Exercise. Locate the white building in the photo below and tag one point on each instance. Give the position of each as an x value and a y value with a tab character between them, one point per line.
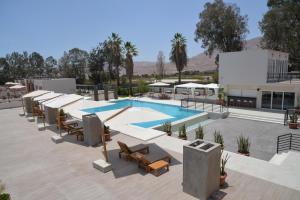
61	85
258	78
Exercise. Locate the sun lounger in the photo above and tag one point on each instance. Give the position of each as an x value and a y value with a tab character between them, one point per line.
153	161
127	151
70	126
78	132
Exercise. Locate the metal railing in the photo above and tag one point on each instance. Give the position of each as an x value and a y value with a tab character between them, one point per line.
278	77
208	105
288	142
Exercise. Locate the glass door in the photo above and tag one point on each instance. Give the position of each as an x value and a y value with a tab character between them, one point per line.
277	100
266	99
289	100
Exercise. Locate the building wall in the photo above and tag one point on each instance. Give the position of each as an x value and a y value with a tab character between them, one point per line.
63	85
244	67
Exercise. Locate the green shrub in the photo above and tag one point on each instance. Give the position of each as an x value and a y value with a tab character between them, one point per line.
243	144
294	118
123	91
4	196
182	132
223	163
218	138
61	112
199	133
142	86
167	127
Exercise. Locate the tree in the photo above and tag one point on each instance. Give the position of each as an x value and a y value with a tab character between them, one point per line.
108	55
18	65
221	27
74	64
160	64
178	53
96	61
4	71
281	29
115	42
50	67
36	67
130	51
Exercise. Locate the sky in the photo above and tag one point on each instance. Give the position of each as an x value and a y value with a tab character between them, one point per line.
51	27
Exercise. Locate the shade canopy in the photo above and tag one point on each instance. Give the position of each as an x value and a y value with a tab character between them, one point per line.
47	96
190	85
62	100
35	93
159	84
212	85
11	83
17	87
197	85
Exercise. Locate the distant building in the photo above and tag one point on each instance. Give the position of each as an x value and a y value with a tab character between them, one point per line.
61	85
259	78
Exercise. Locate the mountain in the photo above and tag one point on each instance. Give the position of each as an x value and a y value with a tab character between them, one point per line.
200	62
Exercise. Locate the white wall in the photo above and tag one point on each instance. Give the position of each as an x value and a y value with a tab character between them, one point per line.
63	85
244	67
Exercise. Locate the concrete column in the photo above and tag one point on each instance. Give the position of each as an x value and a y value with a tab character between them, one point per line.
106	93
28	104
50	115
116	92
96	97
91	129
201	168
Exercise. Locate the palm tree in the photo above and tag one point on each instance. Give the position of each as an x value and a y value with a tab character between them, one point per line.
107	51
130	51
178	53
115	43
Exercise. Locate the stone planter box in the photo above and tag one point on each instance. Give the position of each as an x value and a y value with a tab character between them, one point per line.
201	168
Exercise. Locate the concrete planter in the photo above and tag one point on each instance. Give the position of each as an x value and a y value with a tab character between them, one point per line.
243	153
201	168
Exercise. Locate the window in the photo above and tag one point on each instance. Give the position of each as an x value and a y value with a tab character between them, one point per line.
277	100
289	100
266	99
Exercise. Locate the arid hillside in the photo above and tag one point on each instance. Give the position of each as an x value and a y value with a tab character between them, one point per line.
200	62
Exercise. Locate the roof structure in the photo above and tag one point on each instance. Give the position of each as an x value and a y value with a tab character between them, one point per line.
62	100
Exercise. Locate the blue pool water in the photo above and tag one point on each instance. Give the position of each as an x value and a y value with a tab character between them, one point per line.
176	112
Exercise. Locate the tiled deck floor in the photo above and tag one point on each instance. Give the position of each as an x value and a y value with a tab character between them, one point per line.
33	167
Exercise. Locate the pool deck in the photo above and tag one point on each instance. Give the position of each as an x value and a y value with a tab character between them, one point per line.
34	168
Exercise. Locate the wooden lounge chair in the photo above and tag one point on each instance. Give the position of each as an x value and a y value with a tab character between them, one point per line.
71	126
78	132
152	162
127	151
38	112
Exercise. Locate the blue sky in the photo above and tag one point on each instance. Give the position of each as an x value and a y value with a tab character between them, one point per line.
51	27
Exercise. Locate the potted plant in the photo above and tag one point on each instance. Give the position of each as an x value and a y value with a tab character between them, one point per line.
167	127
62	114
106	133
293	121
223	173
219	139
3	196
199	133
182	132
243	145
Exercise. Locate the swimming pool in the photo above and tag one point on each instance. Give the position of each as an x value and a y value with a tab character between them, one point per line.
176	112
